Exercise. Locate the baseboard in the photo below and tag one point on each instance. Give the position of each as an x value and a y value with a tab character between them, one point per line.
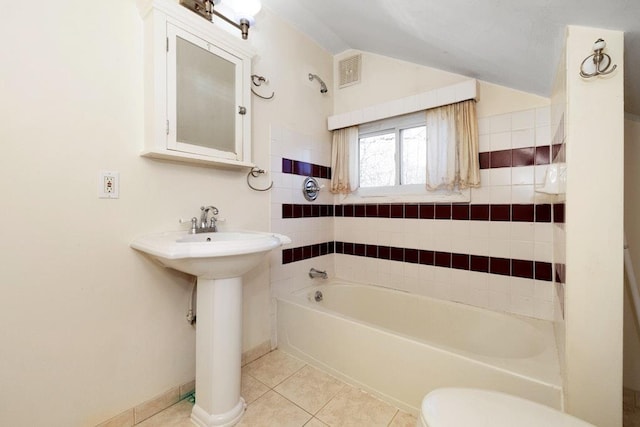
141	412
145	410
256	352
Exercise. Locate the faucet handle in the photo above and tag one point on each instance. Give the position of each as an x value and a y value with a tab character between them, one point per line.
194	224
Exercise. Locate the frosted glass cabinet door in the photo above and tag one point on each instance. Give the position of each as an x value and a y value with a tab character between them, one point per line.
203	97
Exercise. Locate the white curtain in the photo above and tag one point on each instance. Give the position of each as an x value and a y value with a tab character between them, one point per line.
452	151
452	147
344	160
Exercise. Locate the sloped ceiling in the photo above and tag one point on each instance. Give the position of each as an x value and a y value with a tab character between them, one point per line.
514	43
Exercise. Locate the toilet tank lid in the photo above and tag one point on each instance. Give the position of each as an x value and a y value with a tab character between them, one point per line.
448	407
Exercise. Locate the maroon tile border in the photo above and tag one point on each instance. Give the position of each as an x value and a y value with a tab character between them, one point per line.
500	213
558	213
480	212
523	156
523	213
411	210
543	271
307	211
543	213
460	211
309	251
501	159
442	259
527	156
501	266
426	257
522	268
485	160
443	211
427	211
479	263
460	261
542	155
297	167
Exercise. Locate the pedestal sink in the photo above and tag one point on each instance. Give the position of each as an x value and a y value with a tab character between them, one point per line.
218	260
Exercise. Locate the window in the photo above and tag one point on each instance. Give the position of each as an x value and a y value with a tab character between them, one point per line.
393	157
392	152
392	161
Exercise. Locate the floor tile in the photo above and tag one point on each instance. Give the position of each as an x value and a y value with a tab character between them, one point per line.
273	410
353	407
282	391
251	388
402	419
273	368
310	388
314	422
177	415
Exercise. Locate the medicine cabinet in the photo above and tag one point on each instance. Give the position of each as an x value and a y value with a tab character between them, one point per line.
197	88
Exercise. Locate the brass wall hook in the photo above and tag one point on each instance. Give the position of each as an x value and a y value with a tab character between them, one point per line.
599	64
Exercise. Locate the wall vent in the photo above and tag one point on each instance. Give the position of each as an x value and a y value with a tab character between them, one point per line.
349	69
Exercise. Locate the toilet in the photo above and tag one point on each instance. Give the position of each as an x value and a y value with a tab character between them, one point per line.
461	407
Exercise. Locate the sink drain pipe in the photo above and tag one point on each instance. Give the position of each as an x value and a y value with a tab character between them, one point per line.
191	316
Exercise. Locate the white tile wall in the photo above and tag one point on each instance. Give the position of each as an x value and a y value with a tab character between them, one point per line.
501	141
530	241
521	129
294	145
501	123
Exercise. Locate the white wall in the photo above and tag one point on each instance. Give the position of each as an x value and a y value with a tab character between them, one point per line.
386	79
291	125
594	228
90	327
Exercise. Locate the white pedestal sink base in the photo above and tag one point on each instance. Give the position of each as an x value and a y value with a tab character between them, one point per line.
213	257
218	353
201	418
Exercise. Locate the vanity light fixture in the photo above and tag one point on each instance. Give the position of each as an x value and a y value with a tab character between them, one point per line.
598	63
244	12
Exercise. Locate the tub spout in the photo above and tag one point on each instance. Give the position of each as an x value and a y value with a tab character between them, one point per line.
317	273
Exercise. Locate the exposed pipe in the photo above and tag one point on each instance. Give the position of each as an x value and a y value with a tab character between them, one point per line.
323	87
191	316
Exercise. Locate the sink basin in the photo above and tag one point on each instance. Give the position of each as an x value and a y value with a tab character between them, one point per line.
218	260
217	255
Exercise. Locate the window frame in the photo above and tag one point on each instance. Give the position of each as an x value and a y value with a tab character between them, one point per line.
399	192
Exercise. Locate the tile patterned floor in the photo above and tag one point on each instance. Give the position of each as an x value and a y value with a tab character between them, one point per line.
282	391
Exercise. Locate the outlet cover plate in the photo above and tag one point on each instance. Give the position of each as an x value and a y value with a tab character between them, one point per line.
108	185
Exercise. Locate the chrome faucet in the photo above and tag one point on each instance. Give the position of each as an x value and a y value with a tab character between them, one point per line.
317	273
207	225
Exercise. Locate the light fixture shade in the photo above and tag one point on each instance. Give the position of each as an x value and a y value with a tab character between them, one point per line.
244	9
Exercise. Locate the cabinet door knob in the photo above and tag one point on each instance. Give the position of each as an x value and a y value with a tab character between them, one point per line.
242	110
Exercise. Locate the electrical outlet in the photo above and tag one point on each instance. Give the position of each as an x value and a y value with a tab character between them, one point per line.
109	185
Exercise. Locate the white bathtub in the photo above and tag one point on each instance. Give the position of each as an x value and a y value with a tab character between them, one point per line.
400	346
